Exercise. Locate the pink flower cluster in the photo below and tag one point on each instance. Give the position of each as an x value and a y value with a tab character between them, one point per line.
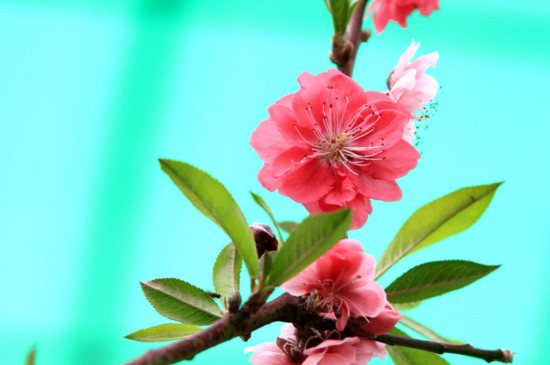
340	285
410	87
398	11
332	145
347	351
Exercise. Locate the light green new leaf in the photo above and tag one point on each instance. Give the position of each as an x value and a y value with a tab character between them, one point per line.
181	301
406	306
425	331
311	239
437	220
258	199
164	332
435	278
31	357
408	356
213	200
340	14
288	226
226	272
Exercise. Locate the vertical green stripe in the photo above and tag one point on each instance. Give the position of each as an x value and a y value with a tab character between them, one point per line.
122	182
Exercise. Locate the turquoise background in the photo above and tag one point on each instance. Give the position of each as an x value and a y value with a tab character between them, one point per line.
93	92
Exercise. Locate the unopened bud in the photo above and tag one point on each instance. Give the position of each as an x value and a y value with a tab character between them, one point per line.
365	35
264	237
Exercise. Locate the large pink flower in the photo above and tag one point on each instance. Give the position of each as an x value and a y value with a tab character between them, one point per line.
410	87
348	351
343	281
398	11
332	145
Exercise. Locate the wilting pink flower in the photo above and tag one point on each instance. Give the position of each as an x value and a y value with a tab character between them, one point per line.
384	322
398	11
332	145
348	351
410	87
343	281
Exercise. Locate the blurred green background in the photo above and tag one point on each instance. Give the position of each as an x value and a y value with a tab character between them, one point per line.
93	92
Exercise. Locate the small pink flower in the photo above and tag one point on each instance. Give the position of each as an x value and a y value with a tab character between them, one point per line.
343	281
398	11
410	87
349	351
332	145
384	322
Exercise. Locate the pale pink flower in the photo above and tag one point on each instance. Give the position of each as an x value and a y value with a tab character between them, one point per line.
398	11
384	322
410	87
343	281
332	145
348	351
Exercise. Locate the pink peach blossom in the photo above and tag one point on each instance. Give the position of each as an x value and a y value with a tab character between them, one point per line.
384	322
410	87
348	351
398	11
332	145
343	281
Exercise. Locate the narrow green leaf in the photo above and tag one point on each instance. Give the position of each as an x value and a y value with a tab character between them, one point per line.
181	301
164	332
210	197
311	239
408	356
31	357
288	226
266	265
339	10
425	331
258	199
437	220
226	272
406	306
435	278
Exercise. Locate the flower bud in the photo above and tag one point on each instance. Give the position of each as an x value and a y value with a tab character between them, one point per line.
264	237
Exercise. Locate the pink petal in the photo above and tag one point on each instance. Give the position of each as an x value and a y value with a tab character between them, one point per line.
307	182
399	160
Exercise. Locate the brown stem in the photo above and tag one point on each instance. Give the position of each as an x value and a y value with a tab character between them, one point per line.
288	308
344	51
284	308
502	355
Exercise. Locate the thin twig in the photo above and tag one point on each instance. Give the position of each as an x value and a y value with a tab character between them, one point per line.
344	52
502	355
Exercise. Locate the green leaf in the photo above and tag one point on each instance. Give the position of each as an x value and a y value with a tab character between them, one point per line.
164	332
258	199
408	356
437	220
311	239
210	197
31	357
288	226
266	265
435	278
181	301
425	331
406	306
226	272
